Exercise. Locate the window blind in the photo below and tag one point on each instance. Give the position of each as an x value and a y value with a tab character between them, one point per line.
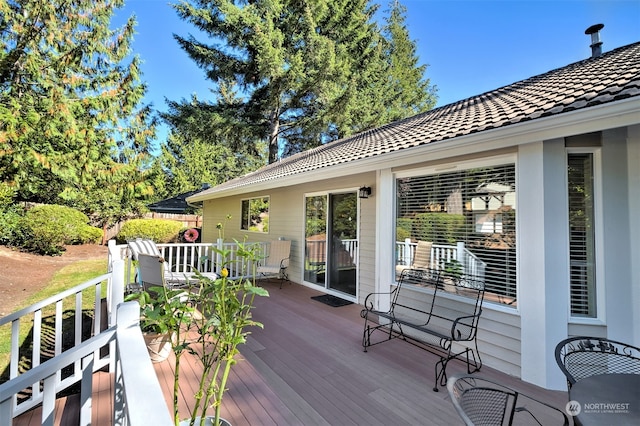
469	216
581	235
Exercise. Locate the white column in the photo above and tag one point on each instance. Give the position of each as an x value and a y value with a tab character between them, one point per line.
385	241
633	169
543	294
618	242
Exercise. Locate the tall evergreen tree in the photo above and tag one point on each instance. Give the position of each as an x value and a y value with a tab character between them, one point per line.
304	67
201	149
71	122
408	92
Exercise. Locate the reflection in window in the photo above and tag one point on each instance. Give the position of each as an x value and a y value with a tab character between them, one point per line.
581	235
469	217
255	214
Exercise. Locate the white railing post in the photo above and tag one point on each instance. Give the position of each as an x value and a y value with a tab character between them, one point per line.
140	400
461	255
218	256
406	252
115	293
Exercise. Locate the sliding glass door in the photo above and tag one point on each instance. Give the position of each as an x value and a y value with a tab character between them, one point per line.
331	241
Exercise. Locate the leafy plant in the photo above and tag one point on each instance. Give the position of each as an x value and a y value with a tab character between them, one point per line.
226	306
220	326
452	269
162	310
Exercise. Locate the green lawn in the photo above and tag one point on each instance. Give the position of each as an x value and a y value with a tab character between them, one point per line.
68	277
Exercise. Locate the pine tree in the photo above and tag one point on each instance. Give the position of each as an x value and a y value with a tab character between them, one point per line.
71	122
310	71
408	92
201	149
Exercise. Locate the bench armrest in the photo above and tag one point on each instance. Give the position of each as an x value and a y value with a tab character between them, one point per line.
370	299
464	328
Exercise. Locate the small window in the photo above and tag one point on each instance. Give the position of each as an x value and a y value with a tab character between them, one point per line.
255	214
582	252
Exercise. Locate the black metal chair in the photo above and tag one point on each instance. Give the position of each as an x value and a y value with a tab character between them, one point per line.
481	401
579	357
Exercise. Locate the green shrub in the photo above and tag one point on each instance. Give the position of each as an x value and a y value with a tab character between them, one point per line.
46	229
439	228
10	229
89	235
158	230
403	229
10	215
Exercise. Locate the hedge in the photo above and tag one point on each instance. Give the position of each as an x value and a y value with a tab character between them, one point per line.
158	230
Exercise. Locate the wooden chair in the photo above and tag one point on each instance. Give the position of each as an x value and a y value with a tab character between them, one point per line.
480	401
277	261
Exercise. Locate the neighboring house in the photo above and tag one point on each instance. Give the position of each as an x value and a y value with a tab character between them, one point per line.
537	183
175	205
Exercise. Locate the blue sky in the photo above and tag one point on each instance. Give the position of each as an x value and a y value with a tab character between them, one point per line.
470	46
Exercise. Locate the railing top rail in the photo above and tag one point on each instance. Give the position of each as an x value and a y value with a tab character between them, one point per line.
53	299
49	367
145	401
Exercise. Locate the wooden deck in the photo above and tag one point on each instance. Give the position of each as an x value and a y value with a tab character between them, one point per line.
307	367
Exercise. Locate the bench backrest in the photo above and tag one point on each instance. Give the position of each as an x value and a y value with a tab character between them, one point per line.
429	308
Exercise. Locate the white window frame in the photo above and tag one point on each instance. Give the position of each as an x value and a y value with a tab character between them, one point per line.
492	161
599	319
248	224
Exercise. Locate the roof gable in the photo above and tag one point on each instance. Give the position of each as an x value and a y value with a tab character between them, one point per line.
613	76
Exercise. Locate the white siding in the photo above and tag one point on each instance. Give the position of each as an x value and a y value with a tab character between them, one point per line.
286	219
518	341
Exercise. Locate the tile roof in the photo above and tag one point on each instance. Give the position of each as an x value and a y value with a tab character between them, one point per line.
613	76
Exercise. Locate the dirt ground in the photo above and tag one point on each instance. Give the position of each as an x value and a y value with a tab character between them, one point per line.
23	274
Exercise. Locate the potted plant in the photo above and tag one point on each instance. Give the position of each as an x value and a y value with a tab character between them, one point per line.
161	313
215	333
451	274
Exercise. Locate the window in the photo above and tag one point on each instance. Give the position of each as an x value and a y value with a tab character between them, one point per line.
582	256
469	217
255	214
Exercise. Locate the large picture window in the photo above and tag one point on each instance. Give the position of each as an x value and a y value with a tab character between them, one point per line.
255	214
462	221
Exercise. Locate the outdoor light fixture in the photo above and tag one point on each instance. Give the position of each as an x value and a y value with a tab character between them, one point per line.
364	192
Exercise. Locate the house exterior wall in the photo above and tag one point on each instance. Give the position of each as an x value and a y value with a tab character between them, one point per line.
519	341
286	220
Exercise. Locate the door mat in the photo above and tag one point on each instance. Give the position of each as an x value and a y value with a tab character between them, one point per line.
330	300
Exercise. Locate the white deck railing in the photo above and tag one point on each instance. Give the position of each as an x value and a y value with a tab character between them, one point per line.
200	257
120	346
441	254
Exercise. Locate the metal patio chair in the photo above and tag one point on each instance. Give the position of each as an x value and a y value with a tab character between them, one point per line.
277	261
580	357
480	401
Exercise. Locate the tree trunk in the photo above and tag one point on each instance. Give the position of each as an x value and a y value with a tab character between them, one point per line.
273	136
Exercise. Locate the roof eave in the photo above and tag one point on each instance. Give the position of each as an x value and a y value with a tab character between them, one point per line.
586	120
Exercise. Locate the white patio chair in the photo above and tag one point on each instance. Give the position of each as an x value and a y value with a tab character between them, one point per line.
277	262
143	248
421	258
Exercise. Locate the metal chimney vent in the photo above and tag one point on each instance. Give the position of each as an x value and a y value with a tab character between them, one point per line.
596	44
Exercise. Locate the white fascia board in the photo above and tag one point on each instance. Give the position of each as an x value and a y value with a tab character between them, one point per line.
586	120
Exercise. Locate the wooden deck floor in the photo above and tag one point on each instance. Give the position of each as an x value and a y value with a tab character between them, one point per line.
307	367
